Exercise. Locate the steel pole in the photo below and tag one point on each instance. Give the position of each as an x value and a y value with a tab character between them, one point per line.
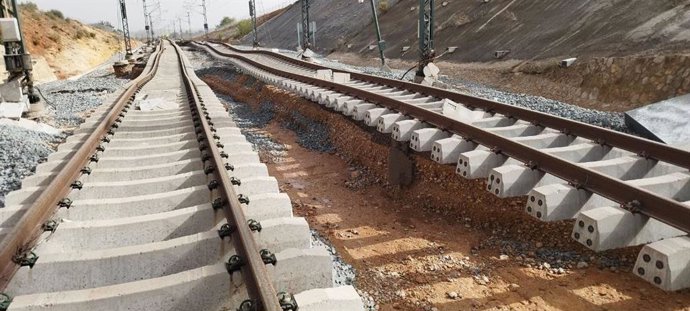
381	43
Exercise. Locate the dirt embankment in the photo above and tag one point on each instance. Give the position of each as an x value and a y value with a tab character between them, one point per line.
444	243
63	47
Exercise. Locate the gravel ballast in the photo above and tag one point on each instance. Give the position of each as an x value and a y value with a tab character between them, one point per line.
21	149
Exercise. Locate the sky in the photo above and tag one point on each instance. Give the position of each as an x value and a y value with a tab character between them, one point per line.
92	11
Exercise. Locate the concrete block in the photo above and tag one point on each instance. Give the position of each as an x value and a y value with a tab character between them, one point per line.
159	140
478	163
119	265
322	97
402	130
359	112
257	185
332	100
143	172
151	149
121	232
559	202
10	214
459	112
302	269
203	288
584	152
386	122
447	151
545	140
146	160
611	227
344	298
665	263
121	189
341	77
422	140
279	234
349	106
371	117
265	206
515	130
493	121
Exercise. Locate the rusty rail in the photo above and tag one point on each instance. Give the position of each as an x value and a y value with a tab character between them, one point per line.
669	211
257	278
21	239
643	147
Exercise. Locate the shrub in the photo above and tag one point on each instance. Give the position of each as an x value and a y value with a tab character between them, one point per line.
244	27
55	14
29	6
225	22
54	37
82	34
92	35
383	6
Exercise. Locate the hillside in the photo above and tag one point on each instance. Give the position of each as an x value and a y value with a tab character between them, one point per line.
63	47
629	53
534	29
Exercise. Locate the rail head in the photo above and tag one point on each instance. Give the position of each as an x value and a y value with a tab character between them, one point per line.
258	280
22	237
632	198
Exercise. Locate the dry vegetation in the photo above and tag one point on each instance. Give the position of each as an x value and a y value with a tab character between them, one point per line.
68	46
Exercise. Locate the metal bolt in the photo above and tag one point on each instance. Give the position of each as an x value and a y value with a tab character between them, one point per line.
234	263
243	199
226	230
254	225
267	257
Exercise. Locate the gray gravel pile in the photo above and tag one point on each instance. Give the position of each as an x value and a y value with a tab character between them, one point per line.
20	151
343	273
251	122
199	60
223	73
611	120
552	259
67	99
311	135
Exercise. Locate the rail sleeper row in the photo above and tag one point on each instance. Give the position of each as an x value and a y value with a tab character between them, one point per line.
600	223
142	228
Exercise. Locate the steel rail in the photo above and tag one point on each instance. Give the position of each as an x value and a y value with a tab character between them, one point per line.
643	147
28	229
257	278
632	198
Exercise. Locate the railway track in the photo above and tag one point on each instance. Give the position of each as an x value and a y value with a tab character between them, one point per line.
161	209
619	189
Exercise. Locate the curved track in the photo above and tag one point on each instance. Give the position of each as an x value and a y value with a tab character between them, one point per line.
621	190
159	203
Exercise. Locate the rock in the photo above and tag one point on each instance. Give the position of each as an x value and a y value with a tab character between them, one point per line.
582	265
513	287
401	293
452	295
503	257
481	280
546	265
539	245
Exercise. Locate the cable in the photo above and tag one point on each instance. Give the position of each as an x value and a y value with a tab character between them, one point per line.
419	63
44	97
